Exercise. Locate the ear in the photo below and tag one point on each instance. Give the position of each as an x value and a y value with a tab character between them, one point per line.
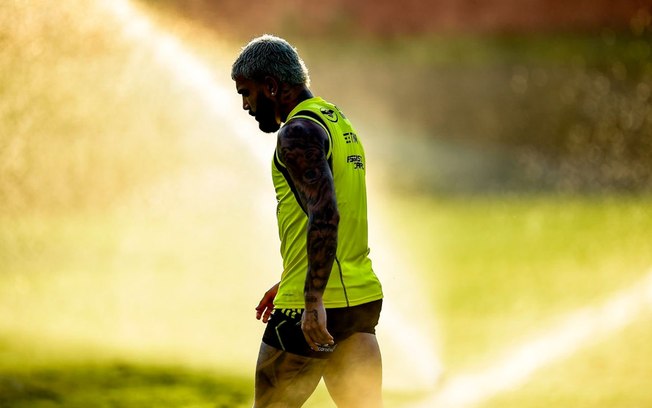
271	86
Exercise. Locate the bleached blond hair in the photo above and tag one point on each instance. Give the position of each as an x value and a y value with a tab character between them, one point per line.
269	55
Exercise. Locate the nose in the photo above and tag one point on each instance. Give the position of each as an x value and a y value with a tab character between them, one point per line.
245	104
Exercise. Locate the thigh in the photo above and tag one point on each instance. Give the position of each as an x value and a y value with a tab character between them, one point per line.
285	380
353	375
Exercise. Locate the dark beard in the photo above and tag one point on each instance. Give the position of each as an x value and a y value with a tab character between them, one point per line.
266	115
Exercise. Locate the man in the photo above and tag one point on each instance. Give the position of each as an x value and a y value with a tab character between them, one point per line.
328	301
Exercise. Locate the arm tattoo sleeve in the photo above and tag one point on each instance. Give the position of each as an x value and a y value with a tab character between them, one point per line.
302	147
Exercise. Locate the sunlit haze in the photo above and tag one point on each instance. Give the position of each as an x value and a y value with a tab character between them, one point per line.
137	211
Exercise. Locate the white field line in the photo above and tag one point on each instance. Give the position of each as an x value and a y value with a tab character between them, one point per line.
578	329
422	368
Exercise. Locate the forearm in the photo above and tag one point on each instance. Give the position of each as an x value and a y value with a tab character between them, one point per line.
322	247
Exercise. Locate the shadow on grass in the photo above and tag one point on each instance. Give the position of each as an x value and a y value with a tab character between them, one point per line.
120	385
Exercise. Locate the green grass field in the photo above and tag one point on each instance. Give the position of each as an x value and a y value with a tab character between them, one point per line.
97	382
500	267
137	235
495	270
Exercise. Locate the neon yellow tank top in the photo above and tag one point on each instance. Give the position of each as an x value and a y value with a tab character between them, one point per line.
352	280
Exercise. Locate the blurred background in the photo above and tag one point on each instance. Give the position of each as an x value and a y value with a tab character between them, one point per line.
509	150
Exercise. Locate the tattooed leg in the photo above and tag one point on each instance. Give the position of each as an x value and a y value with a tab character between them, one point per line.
285	380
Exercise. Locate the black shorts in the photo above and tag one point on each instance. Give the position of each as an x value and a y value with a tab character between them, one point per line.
284	327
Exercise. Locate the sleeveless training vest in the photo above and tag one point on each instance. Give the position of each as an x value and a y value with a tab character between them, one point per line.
352	281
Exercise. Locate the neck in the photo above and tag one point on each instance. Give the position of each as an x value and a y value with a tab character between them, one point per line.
291	97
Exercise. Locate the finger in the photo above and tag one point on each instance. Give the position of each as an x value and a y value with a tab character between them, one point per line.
325	337
261	310
267	314
316	337
317	344
264	312
320	335
311	343
306	330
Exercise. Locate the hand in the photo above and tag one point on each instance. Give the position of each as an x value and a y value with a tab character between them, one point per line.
313	325
266	304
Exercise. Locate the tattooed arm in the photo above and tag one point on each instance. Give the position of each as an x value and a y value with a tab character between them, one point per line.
302	147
